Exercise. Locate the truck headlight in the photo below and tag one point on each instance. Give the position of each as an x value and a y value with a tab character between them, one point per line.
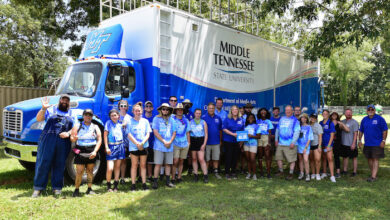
38	125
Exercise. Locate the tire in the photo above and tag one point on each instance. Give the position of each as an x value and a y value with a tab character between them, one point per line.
30	166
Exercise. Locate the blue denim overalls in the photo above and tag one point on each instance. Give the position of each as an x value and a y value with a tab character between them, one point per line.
52	152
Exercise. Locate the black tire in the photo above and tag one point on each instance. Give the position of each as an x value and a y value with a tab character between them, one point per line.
30	166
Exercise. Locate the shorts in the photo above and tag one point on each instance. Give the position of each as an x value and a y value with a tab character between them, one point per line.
300	150
139	152
117	152
213	152
345	151
252	149
263	141
373	152
163	157
85	150
196	143
150	158
314	147
285	152
180	152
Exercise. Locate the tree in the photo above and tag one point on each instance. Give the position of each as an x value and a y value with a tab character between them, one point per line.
27	52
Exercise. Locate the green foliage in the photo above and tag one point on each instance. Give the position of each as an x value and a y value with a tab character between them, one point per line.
26	51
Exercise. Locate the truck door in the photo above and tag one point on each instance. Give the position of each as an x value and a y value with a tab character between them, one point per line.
112	88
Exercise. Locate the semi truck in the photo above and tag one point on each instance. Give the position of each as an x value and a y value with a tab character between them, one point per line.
156	51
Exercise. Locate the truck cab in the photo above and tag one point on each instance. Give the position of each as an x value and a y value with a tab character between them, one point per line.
97	83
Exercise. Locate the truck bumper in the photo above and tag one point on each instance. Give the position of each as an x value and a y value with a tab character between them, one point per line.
20	151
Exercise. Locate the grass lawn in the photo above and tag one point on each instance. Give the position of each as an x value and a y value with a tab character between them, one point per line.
349	198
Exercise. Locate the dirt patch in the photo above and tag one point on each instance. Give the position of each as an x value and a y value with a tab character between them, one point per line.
14	181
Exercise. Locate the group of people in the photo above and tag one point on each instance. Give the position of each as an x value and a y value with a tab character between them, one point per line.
175	134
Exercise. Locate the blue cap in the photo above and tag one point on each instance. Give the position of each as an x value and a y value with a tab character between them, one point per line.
371	106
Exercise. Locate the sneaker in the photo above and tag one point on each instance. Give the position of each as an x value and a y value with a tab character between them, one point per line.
179	180
371	179
313	176
337	175
76	193
122	181
307	178
139	180
196	177
234	176
170	184
161	177
279	174
254	177
189	172
115	189
228	177
150	179
333	179
353	174
344	172
318	177
269	176
261	174
289	177
248	177
36	194
90	192
133	187
323	175
301	175
206	179
217	176
173	181
155	183
57	192
109	187
145	187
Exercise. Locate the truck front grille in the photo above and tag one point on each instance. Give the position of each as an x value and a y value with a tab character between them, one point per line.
12	121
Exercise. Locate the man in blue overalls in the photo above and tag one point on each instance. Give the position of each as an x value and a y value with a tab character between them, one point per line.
53	145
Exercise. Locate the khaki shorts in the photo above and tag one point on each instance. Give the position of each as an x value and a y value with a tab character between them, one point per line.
285	152
263	141
252	149
163	157
212	152
180	152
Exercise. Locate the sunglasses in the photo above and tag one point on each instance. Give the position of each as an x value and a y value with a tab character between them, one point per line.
148	106
123	106
172	100
164	109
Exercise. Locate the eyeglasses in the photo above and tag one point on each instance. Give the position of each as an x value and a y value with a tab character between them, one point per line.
173	100
123	106
148	106
164	109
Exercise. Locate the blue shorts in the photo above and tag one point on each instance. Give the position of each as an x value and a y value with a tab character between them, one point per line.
117	152
300	150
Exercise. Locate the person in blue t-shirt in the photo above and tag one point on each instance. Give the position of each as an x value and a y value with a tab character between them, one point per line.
124	118
164	130
231	125
113	142
214	128
138	132
275	121
181	143
219	109
305	137
199	136
374	128
187	107
286	137
250	146
264	143
327	144
148	115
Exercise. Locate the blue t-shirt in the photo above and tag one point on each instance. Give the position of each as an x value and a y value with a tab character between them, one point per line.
189	115
275	122
372	129
214	126
306	135
328	128
287	127
139	130
222	114
233	126
151	137
197	130
252	129
115	134
123	120
165	128
264	126
53	110
182	127
86	135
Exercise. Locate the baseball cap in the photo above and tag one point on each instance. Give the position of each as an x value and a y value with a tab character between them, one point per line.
371	106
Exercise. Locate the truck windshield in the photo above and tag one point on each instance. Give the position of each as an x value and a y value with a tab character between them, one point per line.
80	79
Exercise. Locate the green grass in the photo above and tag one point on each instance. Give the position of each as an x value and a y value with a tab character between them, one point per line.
349	198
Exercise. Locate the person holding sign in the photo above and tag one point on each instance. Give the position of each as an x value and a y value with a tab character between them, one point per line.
264	143
231	125
286	137
250	146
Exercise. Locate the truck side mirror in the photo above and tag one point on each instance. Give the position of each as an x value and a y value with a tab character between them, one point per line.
125	92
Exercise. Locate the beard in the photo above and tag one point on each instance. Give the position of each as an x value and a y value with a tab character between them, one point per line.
63	107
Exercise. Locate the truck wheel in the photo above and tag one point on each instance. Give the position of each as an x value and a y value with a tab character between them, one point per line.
30	166
99	169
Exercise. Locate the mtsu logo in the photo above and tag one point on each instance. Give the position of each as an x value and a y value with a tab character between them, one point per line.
96	41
